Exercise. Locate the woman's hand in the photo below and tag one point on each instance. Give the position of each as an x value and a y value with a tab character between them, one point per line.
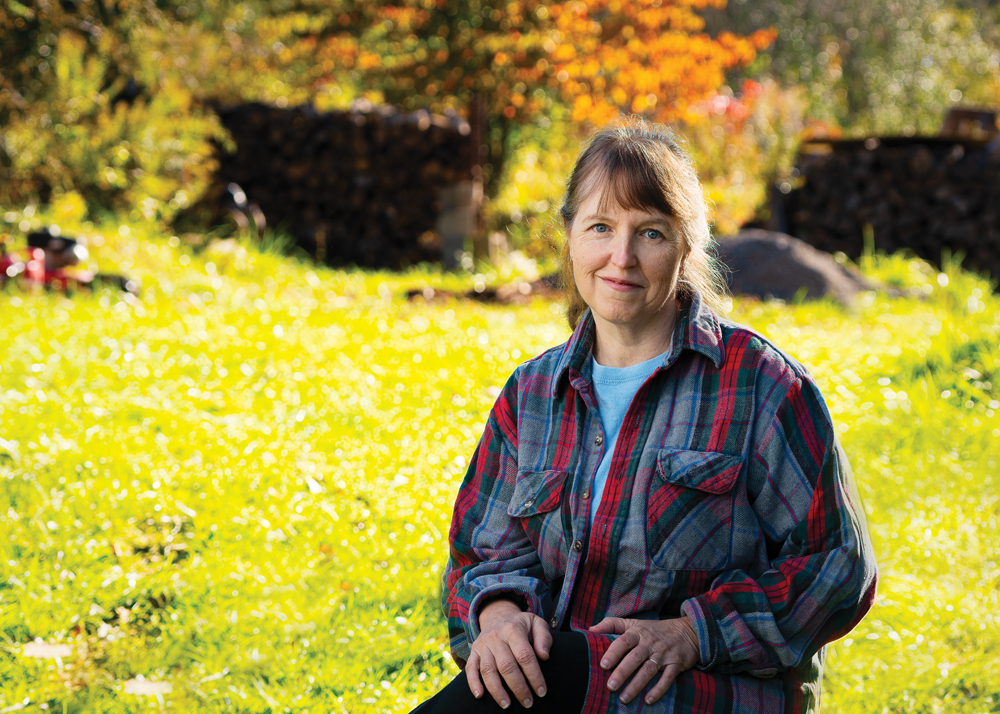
509	645
644	647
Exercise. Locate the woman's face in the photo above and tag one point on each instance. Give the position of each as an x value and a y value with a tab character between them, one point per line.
626	263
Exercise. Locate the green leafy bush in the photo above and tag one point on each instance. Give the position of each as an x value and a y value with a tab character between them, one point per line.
888	68
150	156
742	143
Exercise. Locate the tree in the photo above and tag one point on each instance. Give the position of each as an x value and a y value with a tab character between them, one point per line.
108	99
513	59
877	67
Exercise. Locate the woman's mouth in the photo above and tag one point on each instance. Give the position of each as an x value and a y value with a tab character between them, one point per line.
618	283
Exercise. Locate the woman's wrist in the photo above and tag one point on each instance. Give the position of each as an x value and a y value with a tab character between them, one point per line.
497	608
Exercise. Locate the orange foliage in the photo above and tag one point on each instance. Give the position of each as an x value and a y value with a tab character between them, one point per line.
642	56
601	57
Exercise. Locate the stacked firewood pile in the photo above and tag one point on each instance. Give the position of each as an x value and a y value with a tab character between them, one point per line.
361	186
927	195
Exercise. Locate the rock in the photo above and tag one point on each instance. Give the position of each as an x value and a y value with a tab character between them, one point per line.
766	264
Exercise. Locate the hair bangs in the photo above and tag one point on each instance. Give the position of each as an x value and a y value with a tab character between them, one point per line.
630	179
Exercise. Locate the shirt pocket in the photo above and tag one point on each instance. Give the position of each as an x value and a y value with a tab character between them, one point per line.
689	509
536	502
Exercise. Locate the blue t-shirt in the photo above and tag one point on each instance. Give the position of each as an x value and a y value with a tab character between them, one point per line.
615	387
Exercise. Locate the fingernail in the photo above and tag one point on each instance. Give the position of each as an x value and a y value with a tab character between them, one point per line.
649	700
612	685
604	664
541	691
504	704
624	699
527	703
476	693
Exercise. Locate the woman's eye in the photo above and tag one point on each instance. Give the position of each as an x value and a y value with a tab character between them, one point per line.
599	228
653	234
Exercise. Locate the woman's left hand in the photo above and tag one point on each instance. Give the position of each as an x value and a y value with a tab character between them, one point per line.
644	648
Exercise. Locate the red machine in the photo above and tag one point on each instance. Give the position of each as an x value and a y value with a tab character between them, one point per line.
50	262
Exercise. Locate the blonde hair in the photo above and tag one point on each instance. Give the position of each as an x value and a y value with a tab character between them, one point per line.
639	165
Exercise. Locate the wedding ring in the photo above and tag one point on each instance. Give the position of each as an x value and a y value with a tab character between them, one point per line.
657	664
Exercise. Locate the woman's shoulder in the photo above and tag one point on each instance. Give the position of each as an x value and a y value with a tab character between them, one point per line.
533	381
745	347
529	386
547	365
781	384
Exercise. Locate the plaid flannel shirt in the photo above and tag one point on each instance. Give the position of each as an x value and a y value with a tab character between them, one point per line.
729	500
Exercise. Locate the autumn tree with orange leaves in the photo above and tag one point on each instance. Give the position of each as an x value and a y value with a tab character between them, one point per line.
115	73
599	57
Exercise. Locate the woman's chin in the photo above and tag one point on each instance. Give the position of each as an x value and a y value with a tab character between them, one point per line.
627	315
620	318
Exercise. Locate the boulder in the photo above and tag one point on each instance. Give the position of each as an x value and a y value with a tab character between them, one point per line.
766	264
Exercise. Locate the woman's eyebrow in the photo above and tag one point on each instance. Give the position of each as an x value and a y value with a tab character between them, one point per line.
649	218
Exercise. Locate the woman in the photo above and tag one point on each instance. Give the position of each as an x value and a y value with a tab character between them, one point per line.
658	515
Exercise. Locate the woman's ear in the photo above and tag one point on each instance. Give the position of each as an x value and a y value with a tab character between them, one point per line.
685	252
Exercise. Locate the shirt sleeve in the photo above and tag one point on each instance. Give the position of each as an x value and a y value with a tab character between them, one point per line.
489	552
822	574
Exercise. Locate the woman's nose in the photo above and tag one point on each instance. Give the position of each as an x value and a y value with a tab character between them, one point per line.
623	249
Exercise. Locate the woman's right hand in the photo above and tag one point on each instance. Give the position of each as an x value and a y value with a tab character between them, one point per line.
509	645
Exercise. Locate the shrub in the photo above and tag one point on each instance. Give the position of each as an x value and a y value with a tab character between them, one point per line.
147	156
741	144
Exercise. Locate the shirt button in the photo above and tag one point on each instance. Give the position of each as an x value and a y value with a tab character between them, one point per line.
598	440
577	546
586	494
554	622
527	504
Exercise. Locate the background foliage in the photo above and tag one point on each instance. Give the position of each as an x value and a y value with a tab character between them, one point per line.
112	101
887	68
507	63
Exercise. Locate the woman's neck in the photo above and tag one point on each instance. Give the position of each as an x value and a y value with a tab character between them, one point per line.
624	345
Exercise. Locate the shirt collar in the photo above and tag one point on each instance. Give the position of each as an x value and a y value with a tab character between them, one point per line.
697	329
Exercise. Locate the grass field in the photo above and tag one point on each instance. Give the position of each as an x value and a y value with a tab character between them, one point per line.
233	494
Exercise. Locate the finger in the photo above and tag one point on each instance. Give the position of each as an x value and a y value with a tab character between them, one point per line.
491	678
636	659
510	669
611	626
541	638
472	674
643	676
619	648
528	662
670	674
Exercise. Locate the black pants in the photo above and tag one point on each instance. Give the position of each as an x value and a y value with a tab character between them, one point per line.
566	672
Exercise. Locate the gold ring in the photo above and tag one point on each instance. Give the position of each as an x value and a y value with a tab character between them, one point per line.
657	664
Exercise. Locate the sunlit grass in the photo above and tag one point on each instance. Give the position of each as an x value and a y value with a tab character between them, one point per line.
240	485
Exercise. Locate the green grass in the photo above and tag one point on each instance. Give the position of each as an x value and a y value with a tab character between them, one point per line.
241	484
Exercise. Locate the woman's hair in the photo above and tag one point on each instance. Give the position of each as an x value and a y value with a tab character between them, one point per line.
639	165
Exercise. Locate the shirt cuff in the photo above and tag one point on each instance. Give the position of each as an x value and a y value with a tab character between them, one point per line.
714	651
707	631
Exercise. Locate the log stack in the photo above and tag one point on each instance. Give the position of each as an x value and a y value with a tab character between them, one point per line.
357	187
927	195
